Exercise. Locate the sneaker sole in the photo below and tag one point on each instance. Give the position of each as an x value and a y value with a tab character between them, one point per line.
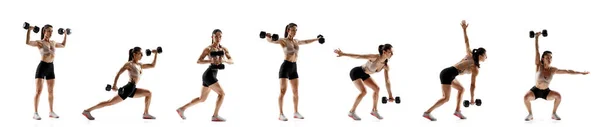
429	118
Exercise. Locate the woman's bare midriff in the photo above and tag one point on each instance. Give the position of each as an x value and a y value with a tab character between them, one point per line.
48	58
291	58
134	80
542	86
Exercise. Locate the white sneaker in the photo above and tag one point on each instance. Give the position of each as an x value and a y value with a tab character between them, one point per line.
353	116
429	116
459	115
376	114
53	115
555	117
218	119
298	116
36	116
283	118
180	112
148	116
88	115
529	117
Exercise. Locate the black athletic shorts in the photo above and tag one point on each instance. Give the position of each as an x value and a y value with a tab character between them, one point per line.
358	73
540	93
45	71
448	75
209	77
288	70
127	90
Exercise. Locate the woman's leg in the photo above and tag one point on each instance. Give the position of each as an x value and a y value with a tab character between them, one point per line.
529	96
294	84
283	89
139	92
38	90
203	95
456	85
371	84
553	95
39	82
361	88
445	98
50	84
217	88
116	99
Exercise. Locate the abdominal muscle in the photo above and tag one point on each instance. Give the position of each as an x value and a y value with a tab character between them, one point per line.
291	57
48	58
541	85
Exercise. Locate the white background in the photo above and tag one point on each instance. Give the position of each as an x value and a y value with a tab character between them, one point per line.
426	36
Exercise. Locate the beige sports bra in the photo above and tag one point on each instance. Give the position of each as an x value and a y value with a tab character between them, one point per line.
371	66
135	70
290	48
47	48
543	79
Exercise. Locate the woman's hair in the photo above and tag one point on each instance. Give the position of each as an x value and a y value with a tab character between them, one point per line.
132	51
544	55
215	32
288	27
44	28
383	48
476	53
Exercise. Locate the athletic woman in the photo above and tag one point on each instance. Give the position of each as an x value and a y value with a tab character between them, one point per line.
361	77
45	69
288	70
469	64
130	90
216	57
544	74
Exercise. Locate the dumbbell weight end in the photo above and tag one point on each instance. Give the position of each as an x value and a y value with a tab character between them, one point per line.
263	34
108	87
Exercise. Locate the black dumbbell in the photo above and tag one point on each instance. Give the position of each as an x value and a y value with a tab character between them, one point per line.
26	26
217	66
544	33
384	100
466	103
108	87
321	39
274	37
149	52
62	31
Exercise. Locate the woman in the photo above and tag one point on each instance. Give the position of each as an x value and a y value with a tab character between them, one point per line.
469	64
544	74
216	54
361	76
135	72
288	70
45	70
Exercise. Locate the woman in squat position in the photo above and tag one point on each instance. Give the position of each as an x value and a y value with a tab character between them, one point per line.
361	76
544	74
469	64
216	54
135	72
45	69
